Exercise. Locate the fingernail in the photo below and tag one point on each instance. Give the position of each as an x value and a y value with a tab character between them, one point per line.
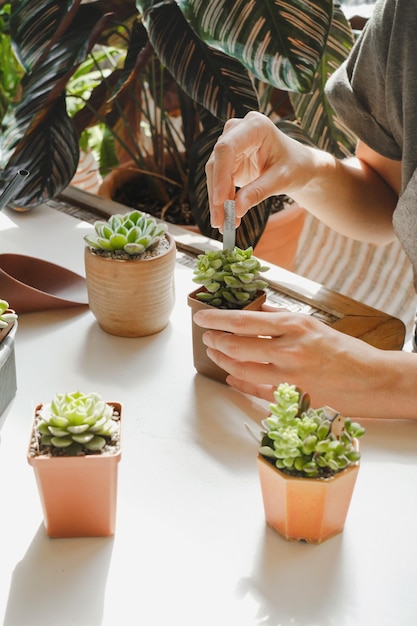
197	316
215	219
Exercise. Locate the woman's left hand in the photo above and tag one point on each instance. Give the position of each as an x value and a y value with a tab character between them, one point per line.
262	349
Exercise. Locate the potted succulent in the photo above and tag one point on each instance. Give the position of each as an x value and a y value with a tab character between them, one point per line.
229	279
8	327
8	319
308	463
301	45
74	450
129	266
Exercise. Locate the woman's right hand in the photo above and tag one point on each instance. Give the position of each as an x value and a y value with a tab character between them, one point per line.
255	156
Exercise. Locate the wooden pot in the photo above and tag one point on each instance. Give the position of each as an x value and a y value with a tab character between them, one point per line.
202	363
78	493
308	509
135	297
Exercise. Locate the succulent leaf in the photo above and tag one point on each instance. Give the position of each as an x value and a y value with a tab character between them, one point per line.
232	276
298	439
75	421
6	316
133	233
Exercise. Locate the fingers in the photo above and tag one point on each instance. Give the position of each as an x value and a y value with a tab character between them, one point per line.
253	323
255	349
220	171
265	392
236	162
248	372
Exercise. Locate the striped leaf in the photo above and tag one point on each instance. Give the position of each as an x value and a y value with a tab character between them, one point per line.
48	175
51	39
313	111
279	41
213	79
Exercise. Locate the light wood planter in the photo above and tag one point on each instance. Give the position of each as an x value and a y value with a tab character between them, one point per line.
78	493
202	363
308	509
131	298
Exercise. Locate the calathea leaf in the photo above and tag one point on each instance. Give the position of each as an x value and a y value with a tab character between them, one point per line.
213	79
37	133
279	42
313	111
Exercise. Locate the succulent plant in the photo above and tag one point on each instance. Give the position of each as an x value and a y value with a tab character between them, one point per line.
133	233
307	442
73	422
6	316
231	277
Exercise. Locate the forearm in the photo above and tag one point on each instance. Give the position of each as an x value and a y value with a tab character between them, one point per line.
349	196
389	386
356	197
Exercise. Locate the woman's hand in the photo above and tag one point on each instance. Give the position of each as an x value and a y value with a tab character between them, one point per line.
355	197
254	155
262	349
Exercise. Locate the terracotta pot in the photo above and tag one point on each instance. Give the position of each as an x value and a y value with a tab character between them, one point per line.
132	298
78	493
279	241
202	363
116	178
8	385
308	509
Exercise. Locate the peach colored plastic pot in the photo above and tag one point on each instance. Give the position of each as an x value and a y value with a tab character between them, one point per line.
309	509
78	493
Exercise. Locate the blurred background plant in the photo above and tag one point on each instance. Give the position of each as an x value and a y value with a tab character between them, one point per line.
11	71
170	74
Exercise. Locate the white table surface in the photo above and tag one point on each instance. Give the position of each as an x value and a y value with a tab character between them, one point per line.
191	546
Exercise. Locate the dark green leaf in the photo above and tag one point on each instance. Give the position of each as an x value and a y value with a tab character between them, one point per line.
210	77
281	43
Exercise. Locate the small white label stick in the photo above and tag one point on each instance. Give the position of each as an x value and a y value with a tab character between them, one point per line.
229	227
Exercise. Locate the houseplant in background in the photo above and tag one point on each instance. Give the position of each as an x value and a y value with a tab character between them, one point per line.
301	42
10	70
129	267
230	279
74	450
8	327
308	463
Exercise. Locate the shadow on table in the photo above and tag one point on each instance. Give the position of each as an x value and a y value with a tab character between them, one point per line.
317	593
220	415
60	581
